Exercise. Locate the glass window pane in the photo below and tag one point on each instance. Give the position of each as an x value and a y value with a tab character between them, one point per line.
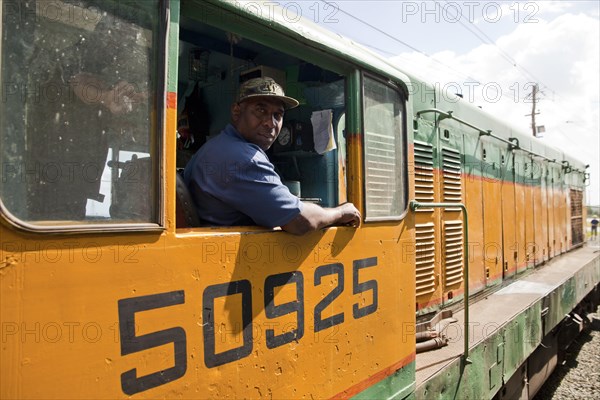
78	114
383	145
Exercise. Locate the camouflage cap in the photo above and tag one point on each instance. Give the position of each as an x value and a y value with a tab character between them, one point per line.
265	87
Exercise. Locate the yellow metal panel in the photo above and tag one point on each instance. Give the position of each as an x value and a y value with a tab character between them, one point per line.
538	220
509	242
474	203
493	229
551	217
529	245
66	301
522	214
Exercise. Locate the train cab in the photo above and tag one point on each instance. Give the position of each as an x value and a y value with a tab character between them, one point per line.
104	102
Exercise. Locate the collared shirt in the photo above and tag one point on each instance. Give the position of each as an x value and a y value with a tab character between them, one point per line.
232	182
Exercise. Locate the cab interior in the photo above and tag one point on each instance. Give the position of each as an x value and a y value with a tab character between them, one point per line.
213	63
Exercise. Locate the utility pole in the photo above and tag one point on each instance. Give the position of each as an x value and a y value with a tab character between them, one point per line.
534	92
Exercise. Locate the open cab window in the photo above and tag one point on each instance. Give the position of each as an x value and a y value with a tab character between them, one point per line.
310	152
79	118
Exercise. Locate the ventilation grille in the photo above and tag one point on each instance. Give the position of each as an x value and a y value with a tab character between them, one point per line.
424	174
453	252
425	259
576	216
452	176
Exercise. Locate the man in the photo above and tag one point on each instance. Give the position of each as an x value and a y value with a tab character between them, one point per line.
232	181
594	227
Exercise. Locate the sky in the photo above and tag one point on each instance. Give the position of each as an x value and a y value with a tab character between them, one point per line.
495	51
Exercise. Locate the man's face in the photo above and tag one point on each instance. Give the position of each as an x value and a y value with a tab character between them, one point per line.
258	120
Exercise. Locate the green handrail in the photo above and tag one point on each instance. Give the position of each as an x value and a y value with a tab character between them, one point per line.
512	142
414	205
482	132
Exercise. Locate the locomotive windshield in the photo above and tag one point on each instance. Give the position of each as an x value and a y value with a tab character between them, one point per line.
79	95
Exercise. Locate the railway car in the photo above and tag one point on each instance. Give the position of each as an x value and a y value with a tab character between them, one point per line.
110	288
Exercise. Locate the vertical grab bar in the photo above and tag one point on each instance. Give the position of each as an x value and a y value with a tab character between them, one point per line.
414	205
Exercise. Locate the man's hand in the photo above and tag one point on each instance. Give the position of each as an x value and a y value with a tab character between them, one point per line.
349	215
312	218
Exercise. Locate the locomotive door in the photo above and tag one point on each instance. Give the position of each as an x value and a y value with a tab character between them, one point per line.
492	211
473	193
451	226
543	241
509	222
551	209
560	216
523	211
539	204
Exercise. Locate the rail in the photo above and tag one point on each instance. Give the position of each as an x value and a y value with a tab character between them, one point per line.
414	205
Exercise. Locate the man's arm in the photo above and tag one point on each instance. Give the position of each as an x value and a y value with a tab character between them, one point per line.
312	218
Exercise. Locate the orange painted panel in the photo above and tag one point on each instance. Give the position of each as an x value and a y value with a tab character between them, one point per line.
509	242
492	214
474	203
537	225
522	213
543	223
551	217
560	222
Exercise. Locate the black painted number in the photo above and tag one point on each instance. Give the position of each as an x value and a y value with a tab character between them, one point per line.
273	310
324	270
243	287
130	343
361	287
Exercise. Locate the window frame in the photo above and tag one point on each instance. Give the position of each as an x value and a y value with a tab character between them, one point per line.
253	28
157	146
404	142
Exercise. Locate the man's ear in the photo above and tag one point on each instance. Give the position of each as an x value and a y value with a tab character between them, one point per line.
236	110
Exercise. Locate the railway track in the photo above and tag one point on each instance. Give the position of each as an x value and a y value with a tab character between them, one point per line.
578	375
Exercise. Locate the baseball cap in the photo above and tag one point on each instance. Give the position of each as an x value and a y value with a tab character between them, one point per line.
265	87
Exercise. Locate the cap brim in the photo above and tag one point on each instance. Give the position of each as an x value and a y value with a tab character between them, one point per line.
288	102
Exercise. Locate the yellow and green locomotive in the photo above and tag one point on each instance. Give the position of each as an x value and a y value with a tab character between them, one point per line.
109	288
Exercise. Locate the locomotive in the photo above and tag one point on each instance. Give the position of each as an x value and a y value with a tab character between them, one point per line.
472	234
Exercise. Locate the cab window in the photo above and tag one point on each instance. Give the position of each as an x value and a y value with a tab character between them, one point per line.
384	151
78	117
309	154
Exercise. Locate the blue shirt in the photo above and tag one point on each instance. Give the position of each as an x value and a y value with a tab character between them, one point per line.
232	182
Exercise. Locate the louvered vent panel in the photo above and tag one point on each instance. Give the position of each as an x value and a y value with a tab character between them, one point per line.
453	252
380	169
452	176
424	174
576	216
425	258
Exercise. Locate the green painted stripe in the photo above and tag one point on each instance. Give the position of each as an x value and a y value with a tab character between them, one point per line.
396	386
173	46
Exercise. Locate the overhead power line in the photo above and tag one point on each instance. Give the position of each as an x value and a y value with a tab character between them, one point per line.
485	39
400	41
438	65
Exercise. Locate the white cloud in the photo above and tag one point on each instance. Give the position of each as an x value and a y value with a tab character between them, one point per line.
561	54
553	7
518	11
